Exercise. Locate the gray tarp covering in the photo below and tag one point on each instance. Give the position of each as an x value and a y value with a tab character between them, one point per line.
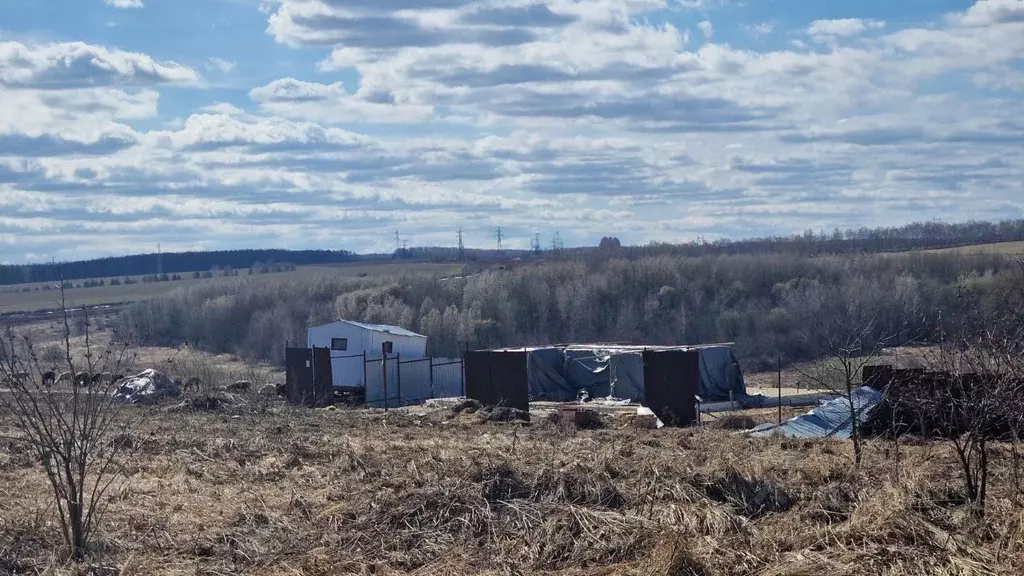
561	373
833	419
720	374
545	372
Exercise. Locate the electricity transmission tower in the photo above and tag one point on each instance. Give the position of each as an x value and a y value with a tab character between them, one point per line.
535	243
462	247
556	241
398	241
499	234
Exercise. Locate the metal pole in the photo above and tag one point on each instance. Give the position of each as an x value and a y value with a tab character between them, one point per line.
384	373
398	376
364	374
431	360
780	388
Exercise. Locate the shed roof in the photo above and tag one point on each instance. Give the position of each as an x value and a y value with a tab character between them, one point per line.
396	330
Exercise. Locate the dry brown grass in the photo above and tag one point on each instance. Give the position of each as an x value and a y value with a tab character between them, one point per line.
288	491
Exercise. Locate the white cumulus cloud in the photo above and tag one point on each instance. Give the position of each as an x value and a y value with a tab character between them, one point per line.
124	3
825	29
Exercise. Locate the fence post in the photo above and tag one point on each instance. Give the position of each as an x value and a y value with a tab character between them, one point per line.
398	376
431	360
779	382
364	376
384	374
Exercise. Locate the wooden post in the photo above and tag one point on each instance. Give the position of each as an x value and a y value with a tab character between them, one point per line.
780	388
398	376
431	360
384	373
364	374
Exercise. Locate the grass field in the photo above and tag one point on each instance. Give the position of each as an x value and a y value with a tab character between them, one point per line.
1004	248
275	490
45	300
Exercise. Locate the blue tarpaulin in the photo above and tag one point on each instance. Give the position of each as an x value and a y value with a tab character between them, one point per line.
833	419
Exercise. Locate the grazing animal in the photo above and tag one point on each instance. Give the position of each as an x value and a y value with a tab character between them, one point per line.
65	378
82	379
96	379
282	390
49	378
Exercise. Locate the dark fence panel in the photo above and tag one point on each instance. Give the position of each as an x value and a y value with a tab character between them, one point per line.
671	384
497	378
323	383
299	378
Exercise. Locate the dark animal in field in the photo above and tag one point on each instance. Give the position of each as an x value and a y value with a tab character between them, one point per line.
240	386
193	383
117	377
65	378
49	378
102	378
83	379
282	390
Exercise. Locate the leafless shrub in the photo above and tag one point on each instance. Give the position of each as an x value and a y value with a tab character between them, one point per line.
71	432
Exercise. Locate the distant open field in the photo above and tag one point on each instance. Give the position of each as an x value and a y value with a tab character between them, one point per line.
1004	248
46	300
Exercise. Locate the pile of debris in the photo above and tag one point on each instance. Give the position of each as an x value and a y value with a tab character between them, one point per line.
146	387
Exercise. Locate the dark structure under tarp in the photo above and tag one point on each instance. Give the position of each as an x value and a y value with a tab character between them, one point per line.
665	379
561	373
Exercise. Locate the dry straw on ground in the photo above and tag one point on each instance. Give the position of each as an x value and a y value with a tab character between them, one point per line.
429	492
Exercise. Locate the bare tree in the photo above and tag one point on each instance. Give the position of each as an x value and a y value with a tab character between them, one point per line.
850	344
78	433
976	394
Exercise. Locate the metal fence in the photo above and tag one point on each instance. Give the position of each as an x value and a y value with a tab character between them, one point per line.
398	382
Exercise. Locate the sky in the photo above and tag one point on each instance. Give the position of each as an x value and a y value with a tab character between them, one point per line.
218	124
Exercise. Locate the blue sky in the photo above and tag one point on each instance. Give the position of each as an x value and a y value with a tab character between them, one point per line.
206	124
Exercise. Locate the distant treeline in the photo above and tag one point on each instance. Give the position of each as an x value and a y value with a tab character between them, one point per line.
768	304
917	236
171	263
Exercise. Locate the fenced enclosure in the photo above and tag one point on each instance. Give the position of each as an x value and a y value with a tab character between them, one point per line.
402	382
409	382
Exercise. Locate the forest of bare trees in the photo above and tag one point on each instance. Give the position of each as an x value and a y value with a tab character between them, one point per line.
762	302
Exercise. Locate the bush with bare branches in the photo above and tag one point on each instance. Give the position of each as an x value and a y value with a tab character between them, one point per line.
78	433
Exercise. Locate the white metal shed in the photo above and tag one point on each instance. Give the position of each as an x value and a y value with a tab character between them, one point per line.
349	341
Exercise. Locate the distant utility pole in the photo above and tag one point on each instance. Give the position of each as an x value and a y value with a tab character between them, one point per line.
398	241
535	243
499	234
462	247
